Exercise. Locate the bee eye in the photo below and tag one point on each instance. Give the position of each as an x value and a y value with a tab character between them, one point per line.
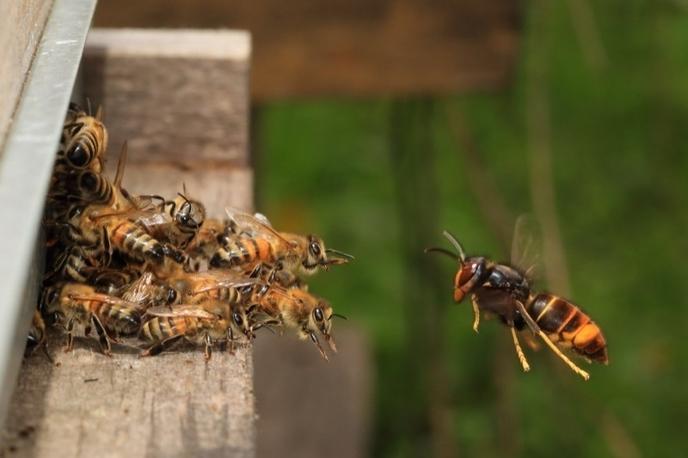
52	295
171	296
318	314
74	211
77	156
237	319
315	248
55	317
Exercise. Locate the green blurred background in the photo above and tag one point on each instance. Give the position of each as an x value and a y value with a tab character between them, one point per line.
619	172
589	136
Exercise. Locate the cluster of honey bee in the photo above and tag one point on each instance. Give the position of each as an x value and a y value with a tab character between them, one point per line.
506	291
156	271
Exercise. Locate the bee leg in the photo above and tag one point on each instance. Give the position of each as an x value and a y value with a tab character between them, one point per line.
102	336
476	313
317	344
519	351
536	329
161	346
208	348
70	337
230	340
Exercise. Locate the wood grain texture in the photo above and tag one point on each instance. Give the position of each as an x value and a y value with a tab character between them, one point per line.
21	28
217	188
335	394
173	95
174	404
87	404
306	48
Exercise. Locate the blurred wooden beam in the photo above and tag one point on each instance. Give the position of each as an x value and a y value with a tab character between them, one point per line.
310	48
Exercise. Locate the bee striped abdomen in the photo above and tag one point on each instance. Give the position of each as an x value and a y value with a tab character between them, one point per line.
162	327
95	187
133	240
120	318
568	325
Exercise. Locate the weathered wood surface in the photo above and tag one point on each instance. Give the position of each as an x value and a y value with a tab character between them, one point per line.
200	76
311	408
21	28
356	47
173	405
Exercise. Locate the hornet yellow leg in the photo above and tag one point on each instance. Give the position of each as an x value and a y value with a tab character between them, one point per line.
519	351
476	313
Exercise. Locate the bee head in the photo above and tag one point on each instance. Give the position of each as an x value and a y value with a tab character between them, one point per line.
320	322
317	256
49	304
241	322
190	213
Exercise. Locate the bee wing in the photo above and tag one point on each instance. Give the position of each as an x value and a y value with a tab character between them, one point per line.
137	291
152	219
232	279
100	297
263	219
253	225
526	247
191	311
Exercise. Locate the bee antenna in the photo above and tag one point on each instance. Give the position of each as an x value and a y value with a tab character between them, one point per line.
99	113
338	316
340	254
88	106
454	241
440	250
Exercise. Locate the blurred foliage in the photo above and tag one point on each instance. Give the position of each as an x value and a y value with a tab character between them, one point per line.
620	168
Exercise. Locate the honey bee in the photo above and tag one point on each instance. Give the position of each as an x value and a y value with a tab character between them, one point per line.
505	291
76	304
202	324
253	240
84	140
296	308
176	221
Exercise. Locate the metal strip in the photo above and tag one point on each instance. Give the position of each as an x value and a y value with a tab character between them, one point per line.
25	173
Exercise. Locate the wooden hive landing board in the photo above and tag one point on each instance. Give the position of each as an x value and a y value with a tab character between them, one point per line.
87	404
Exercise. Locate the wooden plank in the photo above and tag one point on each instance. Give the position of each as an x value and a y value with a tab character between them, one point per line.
173	405
21	28
133	73
335	394
306	48
218	188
